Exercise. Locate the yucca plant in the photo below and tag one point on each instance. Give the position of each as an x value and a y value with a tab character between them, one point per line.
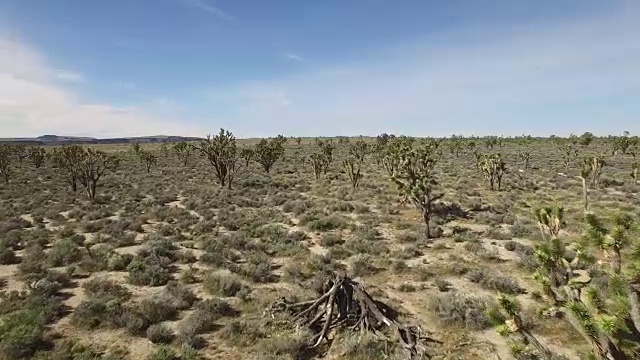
416	179
352	166
493	169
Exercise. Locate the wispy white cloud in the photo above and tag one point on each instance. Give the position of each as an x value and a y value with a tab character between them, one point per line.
33	102
69	76
580	74
203	5
292	56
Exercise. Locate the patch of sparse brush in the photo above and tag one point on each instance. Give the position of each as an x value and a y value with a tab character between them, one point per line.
202	320
331	239
243	333
223	283
365	346
361	265
492	281
159	334
464	310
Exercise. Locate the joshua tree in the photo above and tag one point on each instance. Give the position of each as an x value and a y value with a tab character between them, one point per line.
326	149
5	162
136	148
510	323
586	139
415	178
68	159
593	166
622	144
493	168
359	150
247	154
149	159
317	161
183	151
550	220
20	152
353	168
267	152
164	148
37	156
585	174
524	156
222	152
569	152
94	164
491	141
607	316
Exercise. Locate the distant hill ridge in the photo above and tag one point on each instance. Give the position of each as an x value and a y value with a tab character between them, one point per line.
57	139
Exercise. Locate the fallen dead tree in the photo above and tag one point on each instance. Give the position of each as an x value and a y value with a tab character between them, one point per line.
346	305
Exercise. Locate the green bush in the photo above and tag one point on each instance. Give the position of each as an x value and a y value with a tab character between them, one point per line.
22	334
241	333
163	352
159	334
222	283
104	289
151	271
454	307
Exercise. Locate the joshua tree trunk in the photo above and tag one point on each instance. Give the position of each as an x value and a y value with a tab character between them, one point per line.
585	194
634	306
426	217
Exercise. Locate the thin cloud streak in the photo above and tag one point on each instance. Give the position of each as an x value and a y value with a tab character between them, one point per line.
202	5
292	56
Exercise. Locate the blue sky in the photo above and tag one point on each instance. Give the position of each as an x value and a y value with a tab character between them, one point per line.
310	68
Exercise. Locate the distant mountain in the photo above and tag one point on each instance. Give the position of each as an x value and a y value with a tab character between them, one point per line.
57	139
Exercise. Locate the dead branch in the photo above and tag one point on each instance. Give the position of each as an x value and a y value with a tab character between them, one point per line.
347	305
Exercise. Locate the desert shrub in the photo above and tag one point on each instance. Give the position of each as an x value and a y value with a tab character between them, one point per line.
296	236
223	283
289	345
463	310
366	240
22	334
94	313
510	245
406	287
151	271
118	262
365	346
8	256
442	285
524	230
64	252
203	320
497	234
320	264
361	265
327	223
163	352
492	281
408	237
241	333
159	334
178	295
105	289
138	318
296	207
71	349
331	239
